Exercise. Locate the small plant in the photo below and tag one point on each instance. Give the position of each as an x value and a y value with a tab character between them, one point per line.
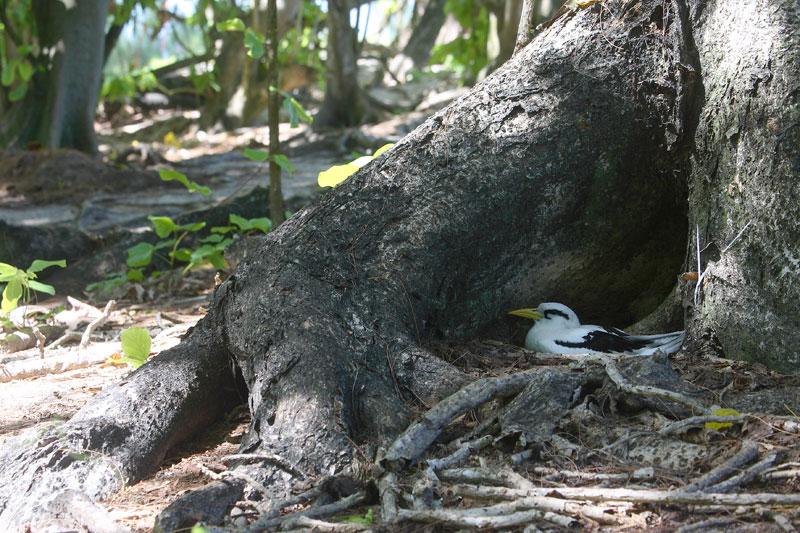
135	346
19	283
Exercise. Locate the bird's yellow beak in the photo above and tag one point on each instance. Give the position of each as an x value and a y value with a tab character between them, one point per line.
533	314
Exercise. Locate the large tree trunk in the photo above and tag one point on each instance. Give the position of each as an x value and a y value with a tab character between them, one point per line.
58	109
561	177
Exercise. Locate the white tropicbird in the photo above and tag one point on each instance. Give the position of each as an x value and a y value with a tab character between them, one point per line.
558	330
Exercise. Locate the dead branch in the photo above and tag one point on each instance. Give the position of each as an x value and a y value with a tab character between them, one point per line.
88	514
322	510
388	489
304	523
610	513
680	425
496	516
551	474
466	449
746	476
654	496
622	384
504	477
95	323
416	439
746	455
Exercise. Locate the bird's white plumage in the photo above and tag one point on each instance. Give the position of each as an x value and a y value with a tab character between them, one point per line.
558	330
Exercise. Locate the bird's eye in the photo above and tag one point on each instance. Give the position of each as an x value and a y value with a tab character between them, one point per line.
555	312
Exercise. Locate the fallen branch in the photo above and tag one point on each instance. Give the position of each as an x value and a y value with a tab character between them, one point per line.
304	523
95	323
746	455
416	439
551	474
483	476
495	516
461	453
746	476
604	514
345	503
653	496
622	384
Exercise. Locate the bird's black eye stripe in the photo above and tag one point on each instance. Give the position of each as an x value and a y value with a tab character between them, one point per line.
550	312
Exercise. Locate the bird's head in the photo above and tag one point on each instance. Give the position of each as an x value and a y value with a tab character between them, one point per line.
559	313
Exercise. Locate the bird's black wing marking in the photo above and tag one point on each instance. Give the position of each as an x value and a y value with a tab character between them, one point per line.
606	340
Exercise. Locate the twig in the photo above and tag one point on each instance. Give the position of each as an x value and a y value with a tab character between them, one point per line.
700	274
552	473
304	523
241	476
606	513
495	516
706	525
746	455
416	439
746	476
656	496
322	510
461	453
645	390
388	489
680	425
272	459
95	323
40	340
484	476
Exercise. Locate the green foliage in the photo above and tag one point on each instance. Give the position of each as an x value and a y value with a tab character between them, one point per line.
141	257
19	283
259	156
191	186
18	57
466	54
135	346
338	173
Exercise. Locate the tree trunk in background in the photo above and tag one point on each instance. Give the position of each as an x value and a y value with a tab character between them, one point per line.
563	176
744	170
423	37
276	209
344	103
58	109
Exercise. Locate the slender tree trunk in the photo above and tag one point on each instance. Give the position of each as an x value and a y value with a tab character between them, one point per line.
344	103
276	210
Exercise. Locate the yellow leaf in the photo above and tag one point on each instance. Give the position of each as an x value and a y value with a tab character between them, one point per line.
336	174
171	140
722	412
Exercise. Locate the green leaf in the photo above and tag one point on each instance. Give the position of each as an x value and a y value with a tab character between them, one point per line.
234	24
222	229
7	270
40	264
182	254
25	70
11	295
336	174
193	226
7	78
135	346
212	239
167	174
18	92
41	287
140	255
134	274
255	155
164	226
254	42
283	162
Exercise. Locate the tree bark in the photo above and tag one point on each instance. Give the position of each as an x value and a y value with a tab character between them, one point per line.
58	108
563	176
344	103
744	170
423	37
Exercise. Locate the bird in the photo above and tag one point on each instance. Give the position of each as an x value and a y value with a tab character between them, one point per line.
558	330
